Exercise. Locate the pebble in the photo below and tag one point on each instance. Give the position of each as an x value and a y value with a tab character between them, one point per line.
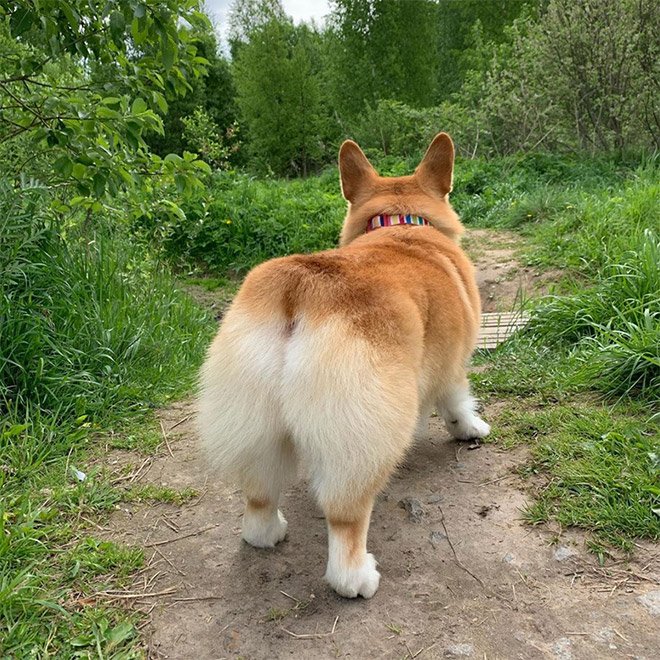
562	649
651	601
414	507
456	650
436	538
563	552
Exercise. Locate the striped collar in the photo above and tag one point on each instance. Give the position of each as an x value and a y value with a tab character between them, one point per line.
384	220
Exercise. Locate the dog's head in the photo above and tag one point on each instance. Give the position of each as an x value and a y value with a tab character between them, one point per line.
424	193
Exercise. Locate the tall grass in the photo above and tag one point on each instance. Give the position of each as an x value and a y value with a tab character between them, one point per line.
90	330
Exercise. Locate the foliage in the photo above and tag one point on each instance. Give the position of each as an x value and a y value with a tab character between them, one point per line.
203	136
243	221
374	54
278	93
212	93
583	76
87	322
457	38
86	82
595	467
90	330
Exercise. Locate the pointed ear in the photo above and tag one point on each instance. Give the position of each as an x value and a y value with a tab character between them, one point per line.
437	167
355	171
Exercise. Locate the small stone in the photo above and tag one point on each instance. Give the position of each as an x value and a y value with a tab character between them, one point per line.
563	552
508	558
562	649
435	499
651	601
457	650
436	538
414	507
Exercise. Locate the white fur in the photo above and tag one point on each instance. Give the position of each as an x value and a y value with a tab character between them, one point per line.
458	409
264	529
350	581
273	396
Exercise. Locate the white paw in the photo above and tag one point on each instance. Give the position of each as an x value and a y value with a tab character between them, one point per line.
353	582
264	533
468	428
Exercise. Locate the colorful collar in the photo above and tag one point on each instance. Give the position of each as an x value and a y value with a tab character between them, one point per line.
384	220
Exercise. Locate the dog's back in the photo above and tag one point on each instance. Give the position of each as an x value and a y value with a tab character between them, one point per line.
327	361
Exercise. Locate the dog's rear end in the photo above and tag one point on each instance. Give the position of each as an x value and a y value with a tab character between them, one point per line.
327	361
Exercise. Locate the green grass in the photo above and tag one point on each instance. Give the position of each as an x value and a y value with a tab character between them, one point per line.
154	493
93	335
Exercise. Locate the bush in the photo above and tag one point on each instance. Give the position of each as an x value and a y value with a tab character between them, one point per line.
242	222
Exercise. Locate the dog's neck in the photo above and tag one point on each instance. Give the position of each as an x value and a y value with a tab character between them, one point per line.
386	220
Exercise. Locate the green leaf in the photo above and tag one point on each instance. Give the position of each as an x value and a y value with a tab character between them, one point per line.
139	106
140	11
98	182
79	170
63	166
14	430
111	100
168	52
120	633
181	182
71	16
21	21
117	27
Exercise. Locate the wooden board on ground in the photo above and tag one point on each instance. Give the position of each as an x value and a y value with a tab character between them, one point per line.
498	326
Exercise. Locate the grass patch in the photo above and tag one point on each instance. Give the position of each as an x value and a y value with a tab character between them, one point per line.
600	470
154	493
92	334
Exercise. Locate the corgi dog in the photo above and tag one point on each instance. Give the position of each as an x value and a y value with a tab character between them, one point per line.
329	362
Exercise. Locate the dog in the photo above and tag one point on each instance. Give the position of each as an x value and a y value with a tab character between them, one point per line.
331	361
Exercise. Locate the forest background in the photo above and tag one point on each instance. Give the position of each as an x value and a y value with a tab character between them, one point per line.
137	157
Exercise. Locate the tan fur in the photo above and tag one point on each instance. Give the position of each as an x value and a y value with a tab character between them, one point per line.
329	359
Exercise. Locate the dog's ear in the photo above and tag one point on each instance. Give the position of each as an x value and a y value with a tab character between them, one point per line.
437	167
355	171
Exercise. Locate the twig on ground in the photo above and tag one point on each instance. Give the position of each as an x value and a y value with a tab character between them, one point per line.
181	421
178	570
180	538
313	635
451	545
127	595
192	598
167	442
494	481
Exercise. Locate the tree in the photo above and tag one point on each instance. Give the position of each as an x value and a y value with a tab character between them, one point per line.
375	53
212	93
276	72
85	81
582	77
455	20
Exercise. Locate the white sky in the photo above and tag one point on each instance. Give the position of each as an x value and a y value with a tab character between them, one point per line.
299	10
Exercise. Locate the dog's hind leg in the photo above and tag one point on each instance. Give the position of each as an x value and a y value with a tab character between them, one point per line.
241	424
351	407
458	409
261	482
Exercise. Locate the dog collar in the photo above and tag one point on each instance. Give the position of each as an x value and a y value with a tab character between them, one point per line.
384	220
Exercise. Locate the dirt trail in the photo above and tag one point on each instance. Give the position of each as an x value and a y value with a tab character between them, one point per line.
462	576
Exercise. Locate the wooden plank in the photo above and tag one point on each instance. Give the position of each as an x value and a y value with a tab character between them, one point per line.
496	327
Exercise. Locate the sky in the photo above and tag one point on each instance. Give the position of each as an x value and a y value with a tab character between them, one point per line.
299	10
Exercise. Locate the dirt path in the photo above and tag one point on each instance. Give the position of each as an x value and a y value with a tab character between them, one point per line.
462	576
